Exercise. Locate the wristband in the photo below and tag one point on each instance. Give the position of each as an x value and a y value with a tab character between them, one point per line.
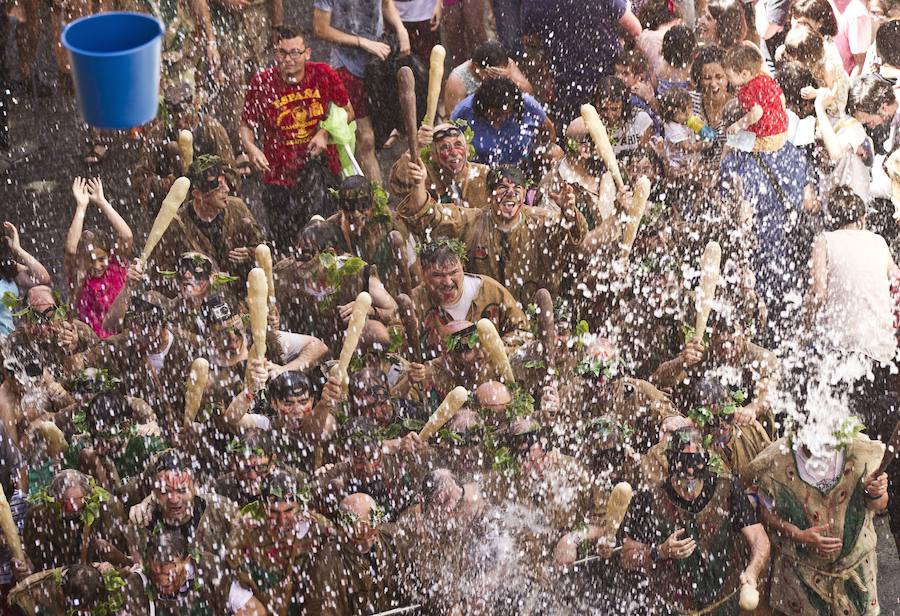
654	554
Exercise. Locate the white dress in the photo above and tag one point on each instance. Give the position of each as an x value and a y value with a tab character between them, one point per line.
857	315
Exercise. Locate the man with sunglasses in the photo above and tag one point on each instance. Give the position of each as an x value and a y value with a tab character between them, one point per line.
452	177
522	248
695	534
212	222
287	102
160	162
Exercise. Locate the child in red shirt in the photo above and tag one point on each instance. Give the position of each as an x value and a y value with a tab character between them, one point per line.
759	95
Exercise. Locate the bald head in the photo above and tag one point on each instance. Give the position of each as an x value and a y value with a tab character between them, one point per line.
359	504
40	297
454	327
463	421
493	395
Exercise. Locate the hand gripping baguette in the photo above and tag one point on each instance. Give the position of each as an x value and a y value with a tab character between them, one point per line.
177	194
258	303
636	212
546	325
194	388
706	291
351	338
410	326
749	598
598	133
435	77
493	348
264	261
56	440
448	408
186	148
406	86
10	531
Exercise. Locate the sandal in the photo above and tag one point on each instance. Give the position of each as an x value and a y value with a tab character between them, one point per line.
96	155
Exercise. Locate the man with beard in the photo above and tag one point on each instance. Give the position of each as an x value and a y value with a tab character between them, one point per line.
387	470
449	294
522	248
363	563
819	500
276	553
76	521
364	222
205	521
177	582
212	222
452	177
695	534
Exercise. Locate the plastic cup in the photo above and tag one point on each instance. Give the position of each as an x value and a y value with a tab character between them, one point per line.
115	59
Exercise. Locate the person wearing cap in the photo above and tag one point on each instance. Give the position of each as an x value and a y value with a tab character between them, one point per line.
452	177
160	162
175	579
62	530
177	503
504	239
364	224
277	554
695	534
213	223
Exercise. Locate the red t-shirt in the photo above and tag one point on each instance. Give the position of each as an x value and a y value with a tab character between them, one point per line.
762	90
290	115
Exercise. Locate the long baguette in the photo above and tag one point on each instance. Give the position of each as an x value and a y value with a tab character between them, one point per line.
496	353
448	408
176	196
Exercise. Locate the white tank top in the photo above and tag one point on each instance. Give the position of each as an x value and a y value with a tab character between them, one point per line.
857	314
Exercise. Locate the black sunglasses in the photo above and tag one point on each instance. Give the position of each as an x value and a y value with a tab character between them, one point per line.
446	132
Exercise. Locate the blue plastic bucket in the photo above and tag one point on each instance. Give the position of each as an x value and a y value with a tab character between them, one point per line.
115	60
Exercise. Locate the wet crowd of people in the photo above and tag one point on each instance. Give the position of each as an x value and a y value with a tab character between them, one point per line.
677	353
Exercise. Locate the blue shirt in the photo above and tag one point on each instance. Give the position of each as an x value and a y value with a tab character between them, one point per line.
361	18
510	143
6	318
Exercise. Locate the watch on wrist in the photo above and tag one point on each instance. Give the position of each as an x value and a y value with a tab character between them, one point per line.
654	554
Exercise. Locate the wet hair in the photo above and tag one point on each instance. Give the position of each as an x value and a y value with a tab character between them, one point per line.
868	93
437	480
172	460
66	479
289	383
634	60
654	13
710	54
490	53
818	11
84	583
610	88
672	101
360	432
732	22
743	57
107	409
887	42
257	440
95	238
290	31
438	253
281	487
707	392
793	77
845	207
499	94
319	236
166	547
686	435
499	173
355	190
678	46
805	45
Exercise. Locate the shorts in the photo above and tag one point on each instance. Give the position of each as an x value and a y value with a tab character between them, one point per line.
356	90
